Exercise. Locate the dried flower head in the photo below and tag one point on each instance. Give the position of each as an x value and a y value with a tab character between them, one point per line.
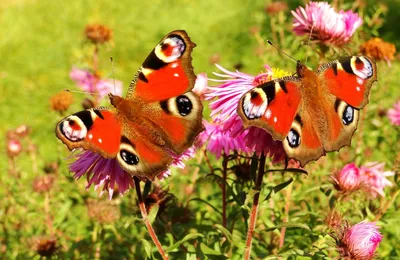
51	167
88	103
360	241
394	114
103	211
98	33
378	49
61	101
326	25
46	247
334	219
160	197
348	179
43	183
276	7
14	147
22	130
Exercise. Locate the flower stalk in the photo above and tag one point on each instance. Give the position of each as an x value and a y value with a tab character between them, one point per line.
254	209
149	227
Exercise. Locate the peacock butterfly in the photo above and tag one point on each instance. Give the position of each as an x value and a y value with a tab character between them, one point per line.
315	111
159	117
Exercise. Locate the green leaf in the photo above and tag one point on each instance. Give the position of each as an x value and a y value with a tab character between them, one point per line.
253	168
209	251
153	212
288	225
147	247
292	170
326	191
237	241
206	202
146	189
277	188
183	240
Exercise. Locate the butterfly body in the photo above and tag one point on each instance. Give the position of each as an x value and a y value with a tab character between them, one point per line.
157	120
314	112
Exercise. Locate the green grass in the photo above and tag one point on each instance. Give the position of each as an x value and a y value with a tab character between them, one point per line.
40	41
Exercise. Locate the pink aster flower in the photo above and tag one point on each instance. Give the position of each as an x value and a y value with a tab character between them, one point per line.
327	25
91	83
14	147
224	110
200	86
361	240
394	114
107	173
348	179
373	178
221	142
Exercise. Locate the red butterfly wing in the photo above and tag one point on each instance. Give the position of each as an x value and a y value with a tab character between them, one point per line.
272	106
350	79
96	130
167	72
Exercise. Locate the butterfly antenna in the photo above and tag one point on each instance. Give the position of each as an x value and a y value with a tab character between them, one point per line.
282	51
309	38
112	65
80	92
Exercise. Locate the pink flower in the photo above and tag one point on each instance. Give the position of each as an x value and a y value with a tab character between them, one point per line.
224	110
108	174
221	142
361	240
14	147
91	83
394	114
374	179
200	85
327	26
348	179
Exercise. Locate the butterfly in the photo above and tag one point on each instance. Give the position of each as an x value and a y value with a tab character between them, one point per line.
313	112
159	117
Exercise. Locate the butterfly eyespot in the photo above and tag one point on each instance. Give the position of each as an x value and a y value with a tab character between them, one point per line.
348	115
184	105
293	138
129	158
72	129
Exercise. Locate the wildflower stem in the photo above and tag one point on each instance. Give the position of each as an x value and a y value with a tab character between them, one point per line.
224	175
387	206
286	216
254	209
149	227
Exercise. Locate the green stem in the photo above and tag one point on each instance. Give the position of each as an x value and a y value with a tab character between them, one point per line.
254	209
149	227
